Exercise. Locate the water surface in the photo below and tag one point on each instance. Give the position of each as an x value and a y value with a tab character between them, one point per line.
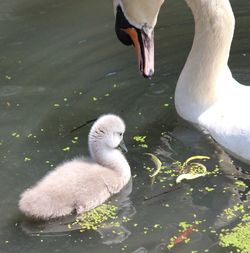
61	65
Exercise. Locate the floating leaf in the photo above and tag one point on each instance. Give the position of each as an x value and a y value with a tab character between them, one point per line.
196	157
188	176
157	163
195	169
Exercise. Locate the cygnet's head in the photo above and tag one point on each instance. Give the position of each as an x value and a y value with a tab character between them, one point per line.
106	133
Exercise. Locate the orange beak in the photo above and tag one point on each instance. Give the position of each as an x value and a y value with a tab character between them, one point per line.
144	49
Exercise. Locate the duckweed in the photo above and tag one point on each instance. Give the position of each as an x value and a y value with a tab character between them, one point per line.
233	211
240	183
95	218
27	159
66	149
139	138
141	141
15	135
237	237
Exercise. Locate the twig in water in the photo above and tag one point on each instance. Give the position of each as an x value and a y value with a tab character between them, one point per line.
83	125
175	188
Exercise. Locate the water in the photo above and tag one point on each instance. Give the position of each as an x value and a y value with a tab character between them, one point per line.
61	65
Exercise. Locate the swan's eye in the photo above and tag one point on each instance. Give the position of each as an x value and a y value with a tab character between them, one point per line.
120	134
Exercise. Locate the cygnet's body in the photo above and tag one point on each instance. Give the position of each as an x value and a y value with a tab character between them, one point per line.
80	184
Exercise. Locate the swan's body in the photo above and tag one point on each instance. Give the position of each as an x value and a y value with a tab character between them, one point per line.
206	93
80	184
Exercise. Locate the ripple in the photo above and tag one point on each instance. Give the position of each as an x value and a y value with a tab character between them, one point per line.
7	91
156	89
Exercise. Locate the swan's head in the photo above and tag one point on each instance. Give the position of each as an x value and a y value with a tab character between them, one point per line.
107	133
135	22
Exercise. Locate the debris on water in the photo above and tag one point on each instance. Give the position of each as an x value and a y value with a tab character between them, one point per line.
191	170
157	163
189	176
15	135
184	235
110	74
27	159
82	41
66	149
74	140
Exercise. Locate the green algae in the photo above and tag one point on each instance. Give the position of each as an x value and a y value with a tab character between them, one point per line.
140	139
234	211
95	218
240	184
237	237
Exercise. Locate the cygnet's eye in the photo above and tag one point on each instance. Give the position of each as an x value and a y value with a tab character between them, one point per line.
120	134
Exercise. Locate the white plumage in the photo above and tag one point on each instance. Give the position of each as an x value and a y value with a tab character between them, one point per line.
206	93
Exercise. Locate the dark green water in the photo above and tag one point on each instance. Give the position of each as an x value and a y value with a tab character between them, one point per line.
62	65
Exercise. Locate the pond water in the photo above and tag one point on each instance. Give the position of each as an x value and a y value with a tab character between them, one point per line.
62	65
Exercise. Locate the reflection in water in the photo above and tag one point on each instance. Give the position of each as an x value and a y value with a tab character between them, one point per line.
112	234
58	53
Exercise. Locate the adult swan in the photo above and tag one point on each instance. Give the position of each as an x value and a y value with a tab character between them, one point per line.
206	93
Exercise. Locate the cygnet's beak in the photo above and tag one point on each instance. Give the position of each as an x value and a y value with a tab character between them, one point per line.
123	147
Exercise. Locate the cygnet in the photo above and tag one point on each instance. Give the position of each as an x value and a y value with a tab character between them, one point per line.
81	185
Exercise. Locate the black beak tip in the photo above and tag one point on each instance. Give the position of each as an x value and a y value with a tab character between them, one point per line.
149	75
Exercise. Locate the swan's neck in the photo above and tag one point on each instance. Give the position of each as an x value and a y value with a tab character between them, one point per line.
110	158
201	81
